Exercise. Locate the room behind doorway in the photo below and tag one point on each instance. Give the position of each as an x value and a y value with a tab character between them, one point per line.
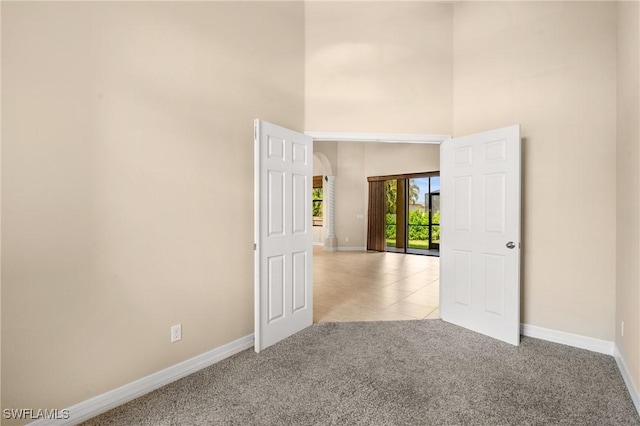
380	286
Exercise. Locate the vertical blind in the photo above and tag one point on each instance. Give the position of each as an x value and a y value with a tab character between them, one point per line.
376	239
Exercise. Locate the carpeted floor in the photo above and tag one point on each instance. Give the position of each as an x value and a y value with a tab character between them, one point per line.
392	373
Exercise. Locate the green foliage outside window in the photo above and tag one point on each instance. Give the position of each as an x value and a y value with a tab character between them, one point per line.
390	228
416	217
317	202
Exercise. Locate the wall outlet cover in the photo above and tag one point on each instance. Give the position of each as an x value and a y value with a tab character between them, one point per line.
176	333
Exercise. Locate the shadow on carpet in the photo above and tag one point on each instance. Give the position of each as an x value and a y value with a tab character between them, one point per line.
392	373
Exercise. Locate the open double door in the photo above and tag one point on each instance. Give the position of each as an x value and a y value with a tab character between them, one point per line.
480	233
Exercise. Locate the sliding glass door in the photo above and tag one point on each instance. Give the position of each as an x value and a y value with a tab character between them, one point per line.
396	215
423	215
412	214
434	211
390	214
418	214
404	213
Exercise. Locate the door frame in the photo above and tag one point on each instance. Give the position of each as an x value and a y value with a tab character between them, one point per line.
332	137
377	137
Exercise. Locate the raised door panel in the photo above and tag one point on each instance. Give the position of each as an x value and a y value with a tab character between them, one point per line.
462	204
493	283
462	268
276	287
276	203
495	203
300	268
301	204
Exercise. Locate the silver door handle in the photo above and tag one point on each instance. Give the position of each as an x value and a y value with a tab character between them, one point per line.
511	245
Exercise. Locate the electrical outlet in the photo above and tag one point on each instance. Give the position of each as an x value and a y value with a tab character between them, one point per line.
622	328
176	333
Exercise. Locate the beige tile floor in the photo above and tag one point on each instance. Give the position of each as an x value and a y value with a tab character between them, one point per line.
360	286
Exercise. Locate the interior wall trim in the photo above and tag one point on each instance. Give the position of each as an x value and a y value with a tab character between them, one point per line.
352	249
569	339
589	343
113	398
377	137
435	173
626	376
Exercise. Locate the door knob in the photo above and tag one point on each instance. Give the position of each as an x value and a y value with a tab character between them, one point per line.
511	245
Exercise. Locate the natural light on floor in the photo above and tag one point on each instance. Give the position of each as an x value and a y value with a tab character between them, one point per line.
361	286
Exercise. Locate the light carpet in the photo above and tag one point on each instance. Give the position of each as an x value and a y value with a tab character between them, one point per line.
392	373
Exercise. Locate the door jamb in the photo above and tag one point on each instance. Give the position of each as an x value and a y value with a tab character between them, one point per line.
377	137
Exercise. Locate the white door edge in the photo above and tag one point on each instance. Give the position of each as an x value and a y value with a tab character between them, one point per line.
283	233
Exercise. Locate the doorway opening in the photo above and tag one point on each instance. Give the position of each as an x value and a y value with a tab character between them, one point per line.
353	284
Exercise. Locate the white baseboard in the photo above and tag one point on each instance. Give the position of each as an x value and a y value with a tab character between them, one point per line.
318	243
575	340
591	344
626	376
111	399
352	249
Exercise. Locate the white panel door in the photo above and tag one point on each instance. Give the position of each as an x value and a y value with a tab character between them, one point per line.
283	233
480	233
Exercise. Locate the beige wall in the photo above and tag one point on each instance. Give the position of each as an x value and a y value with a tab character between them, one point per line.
628	189
318	169
548	66
358	160
378	67
329	153
551	68
123	123
350	196
398	158
375	67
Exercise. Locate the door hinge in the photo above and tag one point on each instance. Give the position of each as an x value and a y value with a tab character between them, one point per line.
255	246
255	132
